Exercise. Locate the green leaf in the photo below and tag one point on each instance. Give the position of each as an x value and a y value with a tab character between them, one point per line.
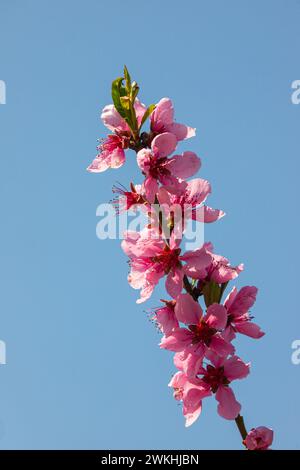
134	91
211	292
123	99
117	90
122	91
125	102
127	79
148	111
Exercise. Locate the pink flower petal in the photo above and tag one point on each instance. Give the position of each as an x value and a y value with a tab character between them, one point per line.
164	197
185	165
100	163
112	119
196	262
145	293
163	115
143	159
230	298
173	184
166	320
228	406
178	380
151	188
107	159
216	316
117	158
194	393
178	340
174	283
243	301
140	110
259	438
249	328
235	368
221	347
225	273
229	334
130	240
181	131
191	415
189	362
187	310
207	214
197	191
163	144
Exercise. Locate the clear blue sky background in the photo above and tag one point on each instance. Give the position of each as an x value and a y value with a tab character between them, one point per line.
84	369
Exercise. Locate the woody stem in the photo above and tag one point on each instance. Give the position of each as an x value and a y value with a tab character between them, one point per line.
239	420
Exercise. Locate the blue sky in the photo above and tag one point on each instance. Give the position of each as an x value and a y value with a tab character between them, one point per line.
83	366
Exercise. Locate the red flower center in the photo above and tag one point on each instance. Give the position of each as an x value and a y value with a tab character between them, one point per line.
114	141
168	258
215	377
157	168
202	332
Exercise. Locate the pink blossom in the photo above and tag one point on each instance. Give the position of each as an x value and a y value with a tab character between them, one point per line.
165	317
237	305
168	171
202	334
215	379
220	270
196	262
188	362
111	152
162	120
129	199
218	376
151	259
201	339
259	438
191	392
195	195
115	123
191	200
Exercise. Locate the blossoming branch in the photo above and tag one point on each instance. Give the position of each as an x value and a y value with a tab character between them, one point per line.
196	324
